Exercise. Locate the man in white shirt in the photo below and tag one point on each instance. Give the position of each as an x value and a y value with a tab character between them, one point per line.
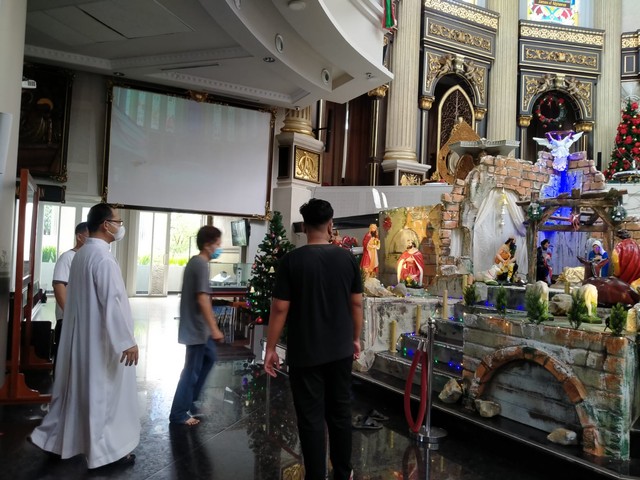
94	407
61	279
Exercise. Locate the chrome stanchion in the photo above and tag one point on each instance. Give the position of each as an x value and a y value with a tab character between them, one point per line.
427	433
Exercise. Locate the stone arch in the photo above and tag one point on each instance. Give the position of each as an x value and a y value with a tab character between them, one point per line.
571	384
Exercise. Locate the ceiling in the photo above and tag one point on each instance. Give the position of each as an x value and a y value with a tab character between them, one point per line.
287	53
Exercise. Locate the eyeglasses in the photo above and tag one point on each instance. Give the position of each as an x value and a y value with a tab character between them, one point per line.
119	222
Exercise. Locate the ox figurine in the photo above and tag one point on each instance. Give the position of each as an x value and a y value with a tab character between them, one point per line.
611	290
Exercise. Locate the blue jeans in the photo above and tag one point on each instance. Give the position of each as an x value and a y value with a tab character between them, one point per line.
198	362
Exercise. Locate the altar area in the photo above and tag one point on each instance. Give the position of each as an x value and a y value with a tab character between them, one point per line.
546	375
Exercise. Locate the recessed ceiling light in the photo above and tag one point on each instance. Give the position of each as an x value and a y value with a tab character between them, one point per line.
297	5
118	74
279	43
269	59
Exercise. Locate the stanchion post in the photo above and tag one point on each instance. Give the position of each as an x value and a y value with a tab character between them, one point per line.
427	433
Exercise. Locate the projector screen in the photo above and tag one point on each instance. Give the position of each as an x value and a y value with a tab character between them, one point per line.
166	152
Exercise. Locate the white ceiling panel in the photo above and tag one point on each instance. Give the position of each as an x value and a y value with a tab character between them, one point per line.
142	18
57	30
84	24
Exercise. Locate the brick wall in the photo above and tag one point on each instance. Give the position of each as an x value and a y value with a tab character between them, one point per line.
597	372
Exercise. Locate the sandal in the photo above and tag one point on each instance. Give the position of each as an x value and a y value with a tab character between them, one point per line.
376	415
366	423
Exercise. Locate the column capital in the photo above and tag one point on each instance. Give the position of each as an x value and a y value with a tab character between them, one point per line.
379	92
524	120
585	126
298	121
426	102
480	113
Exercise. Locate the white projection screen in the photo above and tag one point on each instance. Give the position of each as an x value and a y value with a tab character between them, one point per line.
167	152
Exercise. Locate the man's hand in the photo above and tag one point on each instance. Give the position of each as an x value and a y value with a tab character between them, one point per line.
217	335
130	356
271	361
356	349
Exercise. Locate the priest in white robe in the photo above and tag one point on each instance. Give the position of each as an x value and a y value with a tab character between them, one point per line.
94	408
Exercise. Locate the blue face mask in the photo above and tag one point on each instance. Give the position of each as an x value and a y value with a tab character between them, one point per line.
216	254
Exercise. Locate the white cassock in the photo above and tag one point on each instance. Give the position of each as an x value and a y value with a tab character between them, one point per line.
94	409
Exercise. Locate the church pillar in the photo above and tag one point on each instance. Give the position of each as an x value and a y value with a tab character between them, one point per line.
377	94
402	111
13	15
503	84
298	166
523	122
607	15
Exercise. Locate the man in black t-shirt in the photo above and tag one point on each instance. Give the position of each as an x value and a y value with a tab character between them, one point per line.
318	293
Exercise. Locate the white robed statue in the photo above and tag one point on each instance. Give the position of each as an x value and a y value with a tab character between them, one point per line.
94	409
559	142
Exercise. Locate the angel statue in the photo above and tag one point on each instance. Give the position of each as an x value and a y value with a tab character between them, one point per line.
559	142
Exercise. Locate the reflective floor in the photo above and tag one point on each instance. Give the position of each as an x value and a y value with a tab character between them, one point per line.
249	430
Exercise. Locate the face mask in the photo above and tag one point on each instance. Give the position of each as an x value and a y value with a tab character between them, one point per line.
119	235
216	253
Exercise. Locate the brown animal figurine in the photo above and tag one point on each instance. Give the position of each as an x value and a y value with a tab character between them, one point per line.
611	290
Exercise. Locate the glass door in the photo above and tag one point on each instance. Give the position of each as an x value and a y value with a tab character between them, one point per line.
152	255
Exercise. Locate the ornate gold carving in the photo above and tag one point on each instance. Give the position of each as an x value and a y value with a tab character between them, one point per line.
198	96
379	92
524	120
584	127
62	178
438	66
293	472
459	36
534	85
562	34
307	165
410	179
561	57
479	113
630	40
426	103
461	131
475	74
464	12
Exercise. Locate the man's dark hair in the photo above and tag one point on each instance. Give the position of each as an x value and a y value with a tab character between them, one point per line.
544	242
316	213
207	234
97	216
81	228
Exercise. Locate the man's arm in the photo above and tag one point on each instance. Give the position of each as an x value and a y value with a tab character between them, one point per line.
60	292
204	302
356	315
277	319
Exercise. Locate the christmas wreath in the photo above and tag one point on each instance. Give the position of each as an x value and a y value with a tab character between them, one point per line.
547	107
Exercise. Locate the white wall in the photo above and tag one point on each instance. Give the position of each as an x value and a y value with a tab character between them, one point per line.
630	15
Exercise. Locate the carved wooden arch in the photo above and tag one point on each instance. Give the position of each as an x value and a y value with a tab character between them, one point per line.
573	387
579	91
472	73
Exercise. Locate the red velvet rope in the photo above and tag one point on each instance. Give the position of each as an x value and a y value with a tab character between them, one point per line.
419	357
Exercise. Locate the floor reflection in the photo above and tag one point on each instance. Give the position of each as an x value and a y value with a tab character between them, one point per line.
248	430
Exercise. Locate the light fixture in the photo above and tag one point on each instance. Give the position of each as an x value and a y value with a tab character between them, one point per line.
118	74
269	59
326	76
279	41
297	5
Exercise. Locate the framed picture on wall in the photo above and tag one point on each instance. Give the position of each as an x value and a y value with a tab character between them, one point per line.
44	121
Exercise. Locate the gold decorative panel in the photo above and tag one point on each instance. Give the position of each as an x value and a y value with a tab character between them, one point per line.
581	36
459	36
464	12
581	91
630	40
307	165
560	56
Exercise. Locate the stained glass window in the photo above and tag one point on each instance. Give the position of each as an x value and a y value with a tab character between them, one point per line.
557	11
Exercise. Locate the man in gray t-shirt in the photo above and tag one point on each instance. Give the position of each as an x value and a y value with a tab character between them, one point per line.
198	328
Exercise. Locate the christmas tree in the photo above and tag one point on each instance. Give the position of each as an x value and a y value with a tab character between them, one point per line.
626	155
270	251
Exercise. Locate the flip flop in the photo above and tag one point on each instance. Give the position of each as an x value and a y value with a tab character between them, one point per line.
366	423
376	415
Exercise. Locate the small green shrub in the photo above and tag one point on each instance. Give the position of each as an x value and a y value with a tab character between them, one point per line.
144	260
578	313
537	309
502	298
181	262
470	297
617	319
49	254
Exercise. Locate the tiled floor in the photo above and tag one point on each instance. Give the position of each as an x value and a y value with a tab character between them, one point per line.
249	430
